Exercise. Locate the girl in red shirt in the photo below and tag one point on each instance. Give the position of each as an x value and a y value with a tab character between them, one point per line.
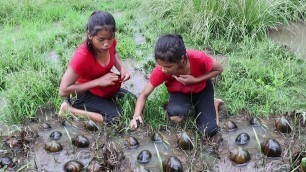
186	75
89	78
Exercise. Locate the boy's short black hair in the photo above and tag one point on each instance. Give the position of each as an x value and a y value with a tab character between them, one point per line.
170	48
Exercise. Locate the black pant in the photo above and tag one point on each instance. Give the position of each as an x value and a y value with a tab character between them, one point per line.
180	104
107	107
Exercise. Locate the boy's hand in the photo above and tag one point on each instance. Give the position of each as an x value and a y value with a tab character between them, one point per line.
124	75
135	122
186	79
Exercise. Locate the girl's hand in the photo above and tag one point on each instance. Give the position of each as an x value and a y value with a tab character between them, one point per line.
107	79
135	122
186	79
124	75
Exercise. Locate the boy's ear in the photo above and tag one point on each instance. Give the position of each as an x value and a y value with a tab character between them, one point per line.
183	59
88	35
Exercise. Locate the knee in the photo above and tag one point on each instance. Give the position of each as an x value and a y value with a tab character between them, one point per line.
176	110
176	119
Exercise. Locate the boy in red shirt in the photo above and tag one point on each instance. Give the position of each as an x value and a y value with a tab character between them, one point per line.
89	77
187	77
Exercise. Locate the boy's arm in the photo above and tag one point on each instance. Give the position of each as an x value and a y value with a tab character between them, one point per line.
140	104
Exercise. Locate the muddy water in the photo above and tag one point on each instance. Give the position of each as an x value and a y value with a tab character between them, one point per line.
293	36
209	156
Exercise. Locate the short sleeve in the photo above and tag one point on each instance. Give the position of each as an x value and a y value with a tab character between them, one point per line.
207	62
79	58
157	76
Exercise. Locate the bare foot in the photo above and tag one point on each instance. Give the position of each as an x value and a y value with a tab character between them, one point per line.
217	103
64	109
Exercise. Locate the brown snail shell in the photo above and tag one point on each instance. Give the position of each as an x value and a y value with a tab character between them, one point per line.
240	156
132	142
95	166
80	141
271	148
242	139
255	122
144	157
6	161
282	125
157	138
172	164
55	135
66	123
230	126
73	166
184	142
53	147
46	126
91	126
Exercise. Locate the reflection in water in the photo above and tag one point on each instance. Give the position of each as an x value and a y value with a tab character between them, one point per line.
294	36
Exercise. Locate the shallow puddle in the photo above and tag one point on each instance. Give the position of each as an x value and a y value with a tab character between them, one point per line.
293	36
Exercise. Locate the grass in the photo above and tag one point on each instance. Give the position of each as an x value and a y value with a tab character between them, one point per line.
261	77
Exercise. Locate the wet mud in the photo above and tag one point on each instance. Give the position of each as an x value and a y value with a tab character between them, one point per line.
26	146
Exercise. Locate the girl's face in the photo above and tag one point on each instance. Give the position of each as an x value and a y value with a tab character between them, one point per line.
102	40
169	68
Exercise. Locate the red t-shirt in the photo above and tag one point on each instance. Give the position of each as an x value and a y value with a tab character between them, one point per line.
200	63
88	68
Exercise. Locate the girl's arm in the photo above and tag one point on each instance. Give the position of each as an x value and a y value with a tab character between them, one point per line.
124	73
140	104
188	79
69	86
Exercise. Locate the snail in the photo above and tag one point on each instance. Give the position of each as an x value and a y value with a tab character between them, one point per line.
144	157
184	141
240	156
45	126
230	126
53	147
73	166
55	135
271	148
242	139
172	164
91	126
282	125
80	141
132	143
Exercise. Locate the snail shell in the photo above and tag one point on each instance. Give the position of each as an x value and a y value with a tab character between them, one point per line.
172	164
242	139
282	125
184	142
91	126
66	123
95	166
255	122
144	157
240	156
157	138
132	142
6	161
53	147
271	148
80	141
45	126
230	126
73	166
55	135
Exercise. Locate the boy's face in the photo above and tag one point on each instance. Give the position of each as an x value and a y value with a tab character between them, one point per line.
102	40
170	68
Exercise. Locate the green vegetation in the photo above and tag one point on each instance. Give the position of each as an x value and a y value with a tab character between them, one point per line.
37	41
